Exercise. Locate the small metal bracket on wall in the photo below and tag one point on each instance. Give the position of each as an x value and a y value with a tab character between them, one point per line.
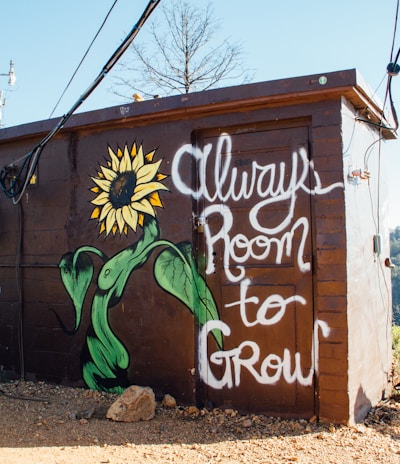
199	222
377	244
355	176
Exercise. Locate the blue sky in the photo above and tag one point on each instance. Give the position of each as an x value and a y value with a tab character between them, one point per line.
286	38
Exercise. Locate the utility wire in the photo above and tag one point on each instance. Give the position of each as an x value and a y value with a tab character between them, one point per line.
14	181
18	281
394	30
83	58
392	70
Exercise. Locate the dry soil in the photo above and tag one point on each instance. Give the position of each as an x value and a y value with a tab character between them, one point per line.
43	423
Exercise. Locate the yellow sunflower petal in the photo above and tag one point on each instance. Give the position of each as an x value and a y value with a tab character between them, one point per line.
161	176
125	164
114	160
102	183
105	210
109	174
133	150
143	206
141	219
120	220
130	216
95	189
101	199
143	190
119	153
110	221
149	156
138	160
102	228
155	199
95	213
147	172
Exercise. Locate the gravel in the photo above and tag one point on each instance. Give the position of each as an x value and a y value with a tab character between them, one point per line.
44	423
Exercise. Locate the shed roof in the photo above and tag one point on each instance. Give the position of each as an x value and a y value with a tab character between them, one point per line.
347	83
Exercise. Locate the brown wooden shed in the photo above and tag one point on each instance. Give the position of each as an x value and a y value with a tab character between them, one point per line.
227	247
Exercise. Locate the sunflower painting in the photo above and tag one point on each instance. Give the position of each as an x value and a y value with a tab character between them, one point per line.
127	192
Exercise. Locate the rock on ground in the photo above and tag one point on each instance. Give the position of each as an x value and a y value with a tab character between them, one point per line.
135	404
169	401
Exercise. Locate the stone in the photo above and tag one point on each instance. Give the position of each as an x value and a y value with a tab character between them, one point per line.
193	410
247	423
169	401
135	404
86	414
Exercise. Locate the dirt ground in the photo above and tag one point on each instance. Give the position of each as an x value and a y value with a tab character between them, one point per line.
43	423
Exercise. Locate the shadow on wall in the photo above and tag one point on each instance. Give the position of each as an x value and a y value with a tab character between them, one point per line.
362	405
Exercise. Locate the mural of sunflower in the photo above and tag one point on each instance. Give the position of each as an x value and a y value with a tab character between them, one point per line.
126	192
127	189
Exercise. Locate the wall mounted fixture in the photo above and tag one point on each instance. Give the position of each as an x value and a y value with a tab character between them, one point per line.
11	81
389	263
355	176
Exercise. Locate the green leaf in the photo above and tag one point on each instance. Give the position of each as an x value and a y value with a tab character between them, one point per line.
76	274
176	272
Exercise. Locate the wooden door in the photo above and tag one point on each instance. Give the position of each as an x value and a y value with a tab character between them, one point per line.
253	234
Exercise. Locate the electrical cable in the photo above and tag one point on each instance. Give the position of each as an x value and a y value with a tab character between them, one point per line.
368	152
381	275
13	181
388	94
396	17
392	70
24	398
18	279
84	57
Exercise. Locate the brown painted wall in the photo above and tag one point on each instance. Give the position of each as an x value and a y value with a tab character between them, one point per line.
236	287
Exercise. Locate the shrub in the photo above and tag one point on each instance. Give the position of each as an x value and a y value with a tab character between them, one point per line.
396	353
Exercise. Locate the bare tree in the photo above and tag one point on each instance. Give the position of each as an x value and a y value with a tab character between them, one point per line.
180	56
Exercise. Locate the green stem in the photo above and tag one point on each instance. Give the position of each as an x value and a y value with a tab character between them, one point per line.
108	357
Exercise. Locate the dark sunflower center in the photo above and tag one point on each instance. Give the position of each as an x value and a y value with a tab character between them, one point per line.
122	188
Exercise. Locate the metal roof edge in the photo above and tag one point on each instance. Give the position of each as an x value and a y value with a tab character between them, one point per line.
348	83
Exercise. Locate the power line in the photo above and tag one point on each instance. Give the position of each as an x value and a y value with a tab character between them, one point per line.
14	180
84	56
